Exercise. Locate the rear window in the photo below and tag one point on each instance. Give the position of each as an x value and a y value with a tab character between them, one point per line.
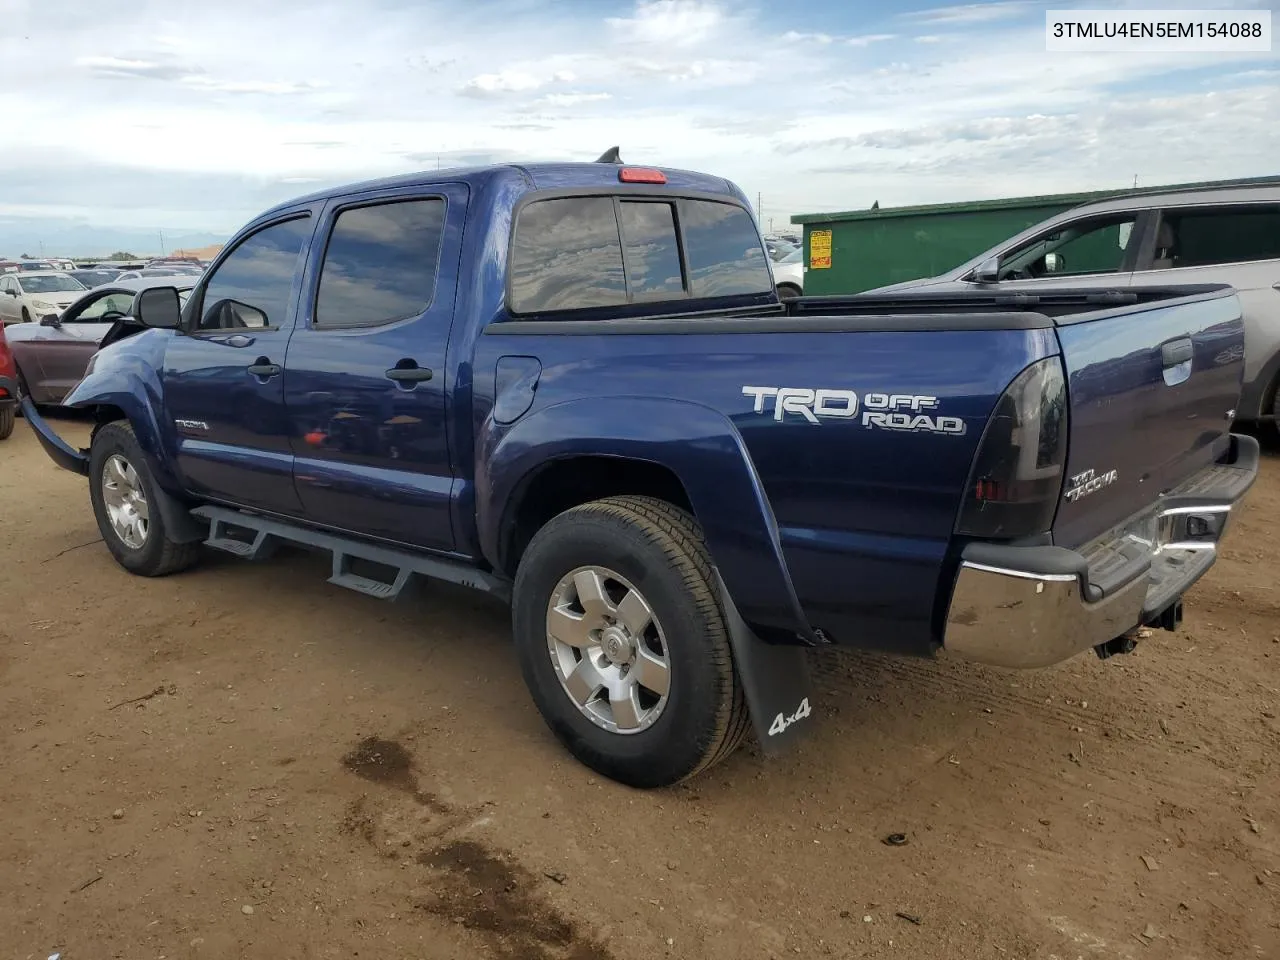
567	255
1239	235
652	250
725	256
576	253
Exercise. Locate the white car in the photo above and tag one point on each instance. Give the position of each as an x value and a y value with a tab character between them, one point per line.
25	297
788	275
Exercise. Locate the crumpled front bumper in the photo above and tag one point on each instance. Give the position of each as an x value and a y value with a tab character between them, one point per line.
59	451
1027	607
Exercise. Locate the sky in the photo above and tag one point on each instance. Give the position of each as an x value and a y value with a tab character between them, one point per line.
122	121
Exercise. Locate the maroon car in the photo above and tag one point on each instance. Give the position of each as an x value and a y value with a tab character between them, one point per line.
51	354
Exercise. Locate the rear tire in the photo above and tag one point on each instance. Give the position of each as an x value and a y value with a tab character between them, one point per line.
624	546
7	413
127	507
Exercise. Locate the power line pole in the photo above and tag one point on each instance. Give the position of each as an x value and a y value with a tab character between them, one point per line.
162	251
759	204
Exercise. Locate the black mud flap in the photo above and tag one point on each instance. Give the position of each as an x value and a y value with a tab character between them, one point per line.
775	679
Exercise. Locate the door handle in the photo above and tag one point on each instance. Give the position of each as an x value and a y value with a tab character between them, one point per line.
408	376
1175	352
264	368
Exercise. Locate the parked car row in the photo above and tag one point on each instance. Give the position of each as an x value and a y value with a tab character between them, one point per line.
26	296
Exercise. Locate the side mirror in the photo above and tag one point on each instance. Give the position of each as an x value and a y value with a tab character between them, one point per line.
231	314
988	271
50	320
158	308
1054	263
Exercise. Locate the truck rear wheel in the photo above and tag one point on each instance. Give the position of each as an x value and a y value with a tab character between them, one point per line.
126	506
623	644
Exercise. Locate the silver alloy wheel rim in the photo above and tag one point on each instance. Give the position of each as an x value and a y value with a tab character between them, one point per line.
608	650
126	502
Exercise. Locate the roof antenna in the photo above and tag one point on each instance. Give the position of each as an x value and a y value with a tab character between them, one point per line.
612	155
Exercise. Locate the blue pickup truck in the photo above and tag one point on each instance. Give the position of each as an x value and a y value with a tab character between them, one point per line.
573	386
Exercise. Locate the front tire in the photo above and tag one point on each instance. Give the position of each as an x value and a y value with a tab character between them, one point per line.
26	315
622	642
126	506
7	413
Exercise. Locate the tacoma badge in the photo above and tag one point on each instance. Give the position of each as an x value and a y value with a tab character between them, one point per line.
1090	481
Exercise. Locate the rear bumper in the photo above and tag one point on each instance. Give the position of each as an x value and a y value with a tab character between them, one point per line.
1027	607
58	450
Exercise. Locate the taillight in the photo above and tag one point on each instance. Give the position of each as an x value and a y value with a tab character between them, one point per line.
7	368
641	175
1016	477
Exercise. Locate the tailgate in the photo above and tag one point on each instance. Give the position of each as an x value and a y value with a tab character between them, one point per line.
1152	391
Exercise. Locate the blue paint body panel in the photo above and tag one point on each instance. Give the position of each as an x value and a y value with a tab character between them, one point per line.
832	530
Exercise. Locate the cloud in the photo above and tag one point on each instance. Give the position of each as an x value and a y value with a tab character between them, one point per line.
497	84
794	36
678	22
870	38
268	87
573	99
132	69
197	122
971	13
1053	153
864	40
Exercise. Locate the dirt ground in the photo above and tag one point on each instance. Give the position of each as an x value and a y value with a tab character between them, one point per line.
245	762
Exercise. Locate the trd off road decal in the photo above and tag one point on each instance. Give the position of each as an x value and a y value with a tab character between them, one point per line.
907	412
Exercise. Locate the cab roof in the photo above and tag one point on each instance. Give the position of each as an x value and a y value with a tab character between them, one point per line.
538	176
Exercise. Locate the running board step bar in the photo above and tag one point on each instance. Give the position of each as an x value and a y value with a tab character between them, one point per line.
264	535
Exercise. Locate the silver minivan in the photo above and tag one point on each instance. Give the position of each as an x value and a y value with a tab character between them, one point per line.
1219	234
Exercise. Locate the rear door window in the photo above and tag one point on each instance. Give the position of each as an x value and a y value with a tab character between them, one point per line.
1206	236
380	264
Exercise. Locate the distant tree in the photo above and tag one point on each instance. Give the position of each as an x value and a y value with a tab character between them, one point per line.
26	256
123	255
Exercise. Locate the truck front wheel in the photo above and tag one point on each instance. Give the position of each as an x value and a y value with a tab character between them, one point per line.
126	506
623	644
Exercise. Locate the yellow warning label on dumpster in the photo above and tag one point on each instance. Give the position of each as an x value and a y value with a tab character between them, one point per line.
819	249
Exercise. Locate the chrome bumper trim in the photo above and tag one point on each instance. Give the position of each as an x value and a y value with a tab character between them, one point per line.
1015	616
1019	619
